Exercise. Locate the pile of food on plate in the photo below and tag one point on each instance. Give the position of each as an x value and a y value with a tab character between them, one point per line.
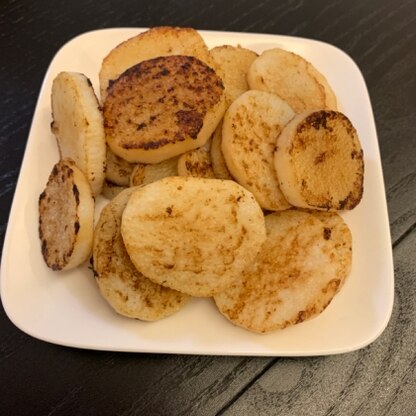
224	172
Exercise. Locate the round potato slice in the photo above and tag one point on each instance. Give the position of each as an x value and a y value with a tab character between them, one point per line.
295	276
144	174
66	217
78	126
127	290
234	62
293	79
162	107
249	134
196	163
219	166
195	235
319	162
118	170
155	42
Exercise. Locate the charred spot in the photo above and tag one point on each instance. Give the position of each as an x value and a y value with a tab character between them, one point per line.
55	171
344	202
75	191
153	144
45	250
94	272
55	267
327	233
320	158
356	155
168	266
141	126
318	119
76	227
302	315
169	210
161	100
153	118
164	72
110	83
190	122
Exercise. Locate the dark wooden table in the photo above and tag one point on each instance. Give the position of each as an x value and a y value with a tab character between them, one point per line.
37	378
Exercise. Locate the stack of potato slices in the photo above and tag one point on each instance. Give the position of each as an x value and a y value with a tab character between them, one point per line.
224	170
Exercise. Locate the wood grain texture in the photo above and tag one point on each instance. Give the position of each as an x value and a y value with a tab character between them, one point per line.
39	379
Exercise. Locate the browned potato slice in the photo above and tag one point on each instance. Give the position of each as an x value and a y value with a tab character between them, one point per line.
162	108
219	166
250	129
293	79
144	174
155	42
128	291
234	62
195	235
118	170
196	163
319	161
296	275
66	217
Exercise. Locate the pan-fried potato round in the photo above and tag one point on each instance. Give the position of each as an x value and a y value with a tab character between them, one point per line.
319	161
118	170
66	217
162	108
338	231
234	62
249	133
78	126
294	278
292	78
219	166
144	174
195	235
127	290
155	42
196	163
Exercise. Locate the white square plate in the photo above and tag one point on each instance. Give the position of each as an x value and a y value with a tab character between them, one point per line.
66	308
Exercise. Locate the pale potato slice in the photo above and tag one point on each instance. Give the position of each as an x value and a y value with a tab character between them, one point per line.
118	170
127	290
219	166
294	278
155	42
292	78
144	174
162	108
196	163
319	161
78	126
338	231
66	217
250	129
195	235
234	62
